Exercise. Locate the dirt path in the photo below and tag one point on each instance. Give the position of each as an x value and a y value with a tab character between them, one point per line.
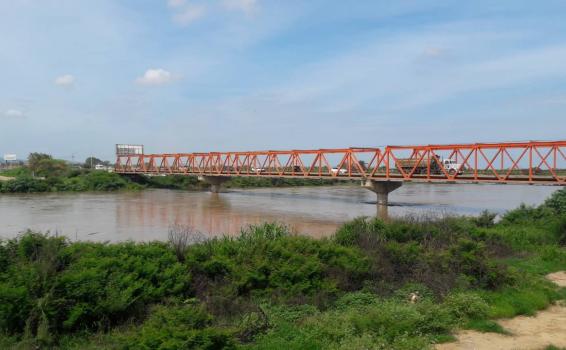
558	277
5	178
548	327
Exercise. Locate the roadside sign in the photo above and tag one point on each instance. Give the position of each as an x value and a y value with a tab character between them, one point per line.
10	157
124	150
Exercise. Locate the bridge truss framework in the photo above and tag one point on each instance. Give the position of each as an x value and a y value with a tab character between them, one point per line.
533	162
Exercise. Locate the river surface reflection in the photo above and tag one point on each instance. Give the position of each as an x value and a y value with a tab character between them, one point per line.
317	211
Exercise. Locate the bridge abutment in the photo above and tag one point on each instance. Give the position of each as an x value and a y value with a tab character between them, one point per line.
382	190
215	182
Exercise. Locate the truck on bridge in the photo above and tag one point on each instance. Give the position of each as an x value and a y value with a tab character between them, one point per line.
435	163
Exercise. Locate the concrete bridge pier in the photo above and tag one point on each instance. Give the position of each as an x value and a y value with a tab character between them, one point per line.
215	182
382	190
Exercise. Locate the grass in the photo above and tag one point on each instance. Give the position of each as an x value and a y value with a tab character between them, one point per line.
486	326
15	172
404	284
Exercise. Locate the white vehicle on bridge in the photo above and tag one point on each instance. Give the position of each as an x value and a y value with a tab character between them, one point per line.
452	167
339	171
258	170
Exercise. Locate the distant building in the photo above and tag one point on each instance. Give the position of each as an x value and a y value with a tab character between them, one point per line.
103	167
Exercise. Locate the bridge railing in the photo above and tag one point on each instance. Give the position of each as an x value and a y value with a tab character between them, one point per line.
535	162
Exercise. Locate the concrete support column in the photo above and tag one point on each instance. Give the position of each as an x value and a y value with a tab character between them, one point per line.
382	190
215	182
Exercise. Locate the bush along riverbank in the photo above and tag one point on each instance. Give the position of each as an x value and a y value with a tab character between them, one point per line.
45	174
92	180
181	182
65	179
404	284
74	181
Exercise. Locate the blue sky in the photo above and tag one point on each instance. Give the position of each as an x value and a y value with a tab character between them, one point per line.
187	75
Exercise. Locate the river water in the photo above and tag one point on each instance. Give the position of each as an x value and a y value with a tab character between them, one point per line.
316	211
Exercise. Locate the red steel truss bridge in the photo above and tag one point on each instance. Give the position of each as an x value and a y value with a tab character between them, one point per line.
533	162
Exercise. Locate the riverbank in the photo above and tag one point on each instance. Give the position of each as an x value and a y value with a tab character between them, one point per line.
405	284
180	182
21	181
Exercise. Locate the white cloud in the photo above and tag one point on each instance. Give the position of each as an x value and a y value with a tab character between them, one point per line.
65	80
14	113
176	3
247	6
157	76
189	14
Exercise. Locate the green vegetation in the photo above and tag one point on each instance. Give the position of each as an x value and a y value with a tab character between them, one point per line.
91	162
486	326
552	347
45	174
402	284
42	164
181	182
243	182
72	180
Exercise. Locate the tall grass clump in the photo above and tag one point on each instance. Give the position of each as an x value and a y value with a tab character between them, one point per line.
180	237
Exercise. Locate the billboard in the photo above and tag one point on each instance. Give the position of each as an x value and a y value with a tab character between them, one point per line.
10	157
126	150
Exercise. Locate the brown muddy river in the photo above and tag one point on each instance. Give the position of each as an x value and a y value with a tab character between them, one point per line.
316	211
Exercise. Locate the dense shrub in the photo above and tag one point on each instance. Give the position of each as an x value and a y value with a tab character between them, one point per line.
560	230
180	182
53	286
73	184
526	215
267	261
179	327
183	182
24	184
104	181
89	181
471	259
439	253
466	305
244	182
108	284
557	201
